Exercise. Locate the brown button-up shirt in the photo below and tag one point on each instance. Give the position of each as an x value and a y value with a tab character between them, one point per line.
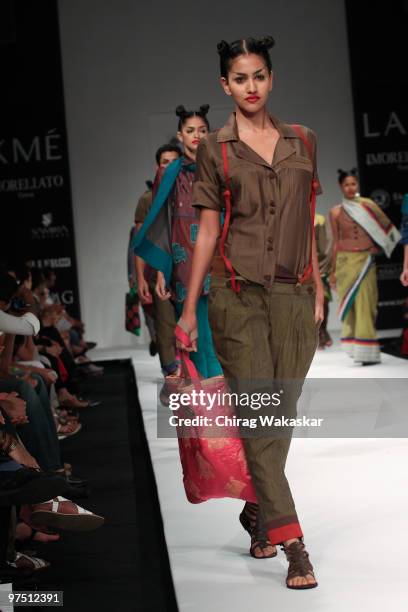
270	231
143	206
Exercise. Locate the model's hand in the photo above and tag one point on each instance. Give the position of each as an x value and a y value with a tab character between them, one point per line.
319	307
404	277
161	289
190	324
143	291
332	280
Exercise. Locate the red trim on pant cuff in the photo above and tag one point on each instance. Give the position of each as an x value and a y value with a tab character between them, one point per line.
280	534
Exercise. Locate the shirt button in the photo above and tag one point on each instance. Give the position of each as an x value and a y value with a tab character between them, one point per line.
267	277
272	211
270	239
270	248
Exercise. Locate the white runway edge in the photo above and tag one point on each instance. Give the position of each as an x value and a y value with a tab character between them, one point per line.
352	500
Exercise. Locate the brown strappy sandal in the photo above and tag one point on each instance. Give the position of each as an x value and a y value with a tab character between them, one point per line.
249	519
299	565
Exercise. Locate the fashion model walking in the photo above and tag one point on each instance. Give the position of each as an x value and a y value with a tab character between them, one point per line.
266	297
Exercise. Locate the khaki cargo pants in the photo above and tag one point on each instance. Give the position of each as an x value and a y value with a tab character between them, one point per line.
261	335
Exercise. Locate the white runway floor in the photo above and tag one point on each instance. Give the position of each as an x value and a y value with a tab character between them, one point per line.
352	500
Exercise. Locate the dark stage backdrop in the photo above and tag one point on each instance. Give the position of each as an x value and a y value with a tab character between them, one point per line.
378	51
35	191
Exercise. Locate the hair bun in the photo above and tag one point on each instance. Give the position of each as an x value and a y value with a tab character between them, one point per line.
354	171
222	47
180	111
149	185
340	171
267	42
204	108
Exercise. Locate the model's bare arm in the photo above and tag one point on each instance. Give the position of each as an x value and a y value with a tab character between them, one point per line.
208	233
319	308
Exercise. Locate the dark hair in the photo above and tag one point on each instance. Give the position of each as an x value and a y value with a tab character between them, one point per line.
8	287
149	184
184	115
229	51
164	149
343	174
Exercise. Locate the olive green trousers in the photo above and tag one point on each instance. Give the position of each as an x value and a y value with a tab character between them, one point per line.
261	336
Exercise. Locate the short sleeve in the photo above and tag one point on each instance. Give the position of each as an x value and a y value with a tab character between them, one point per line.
206	190
143	207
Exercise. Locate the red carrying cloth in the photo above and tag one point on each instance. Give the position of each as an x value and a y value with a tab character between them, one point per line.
213	467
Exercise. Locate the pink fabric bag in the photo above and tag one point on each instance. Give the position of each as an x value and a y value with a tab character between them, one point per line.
214	466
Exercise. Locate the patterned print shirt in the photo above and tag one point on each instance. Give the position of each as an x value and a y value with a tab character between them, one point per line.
184	232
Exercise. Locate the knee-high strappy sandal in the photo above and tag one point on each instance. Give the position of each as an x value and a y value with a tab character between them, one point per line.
299	565
250	521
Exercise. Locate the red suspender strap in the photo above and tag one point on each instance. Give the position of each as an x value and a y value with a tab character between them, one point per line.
309	269
227	197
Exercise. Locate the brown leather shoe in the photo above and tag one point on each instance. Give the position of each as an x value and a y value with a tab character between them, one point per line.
250	520
299	565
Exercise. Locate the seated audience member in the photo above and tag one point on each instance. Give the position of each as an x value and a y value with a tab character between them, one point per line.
30	462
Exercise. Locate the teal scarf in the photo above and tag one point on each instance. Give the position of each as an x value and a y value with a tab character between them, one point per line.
153	241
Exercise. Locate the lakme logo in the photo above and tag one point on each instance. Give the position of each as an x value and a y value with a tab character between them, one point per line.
48	230
392	128
42	148
392	125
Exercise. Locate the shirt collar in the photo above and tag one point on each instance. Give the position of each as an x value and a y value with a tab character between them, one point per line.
229	132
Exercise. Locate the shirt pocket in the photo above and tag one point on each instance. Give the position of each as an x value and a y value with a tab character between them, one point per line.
236	171
297	162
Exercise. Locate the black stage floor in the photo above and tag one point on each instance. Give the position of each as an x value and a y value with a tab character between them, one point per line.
124	565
